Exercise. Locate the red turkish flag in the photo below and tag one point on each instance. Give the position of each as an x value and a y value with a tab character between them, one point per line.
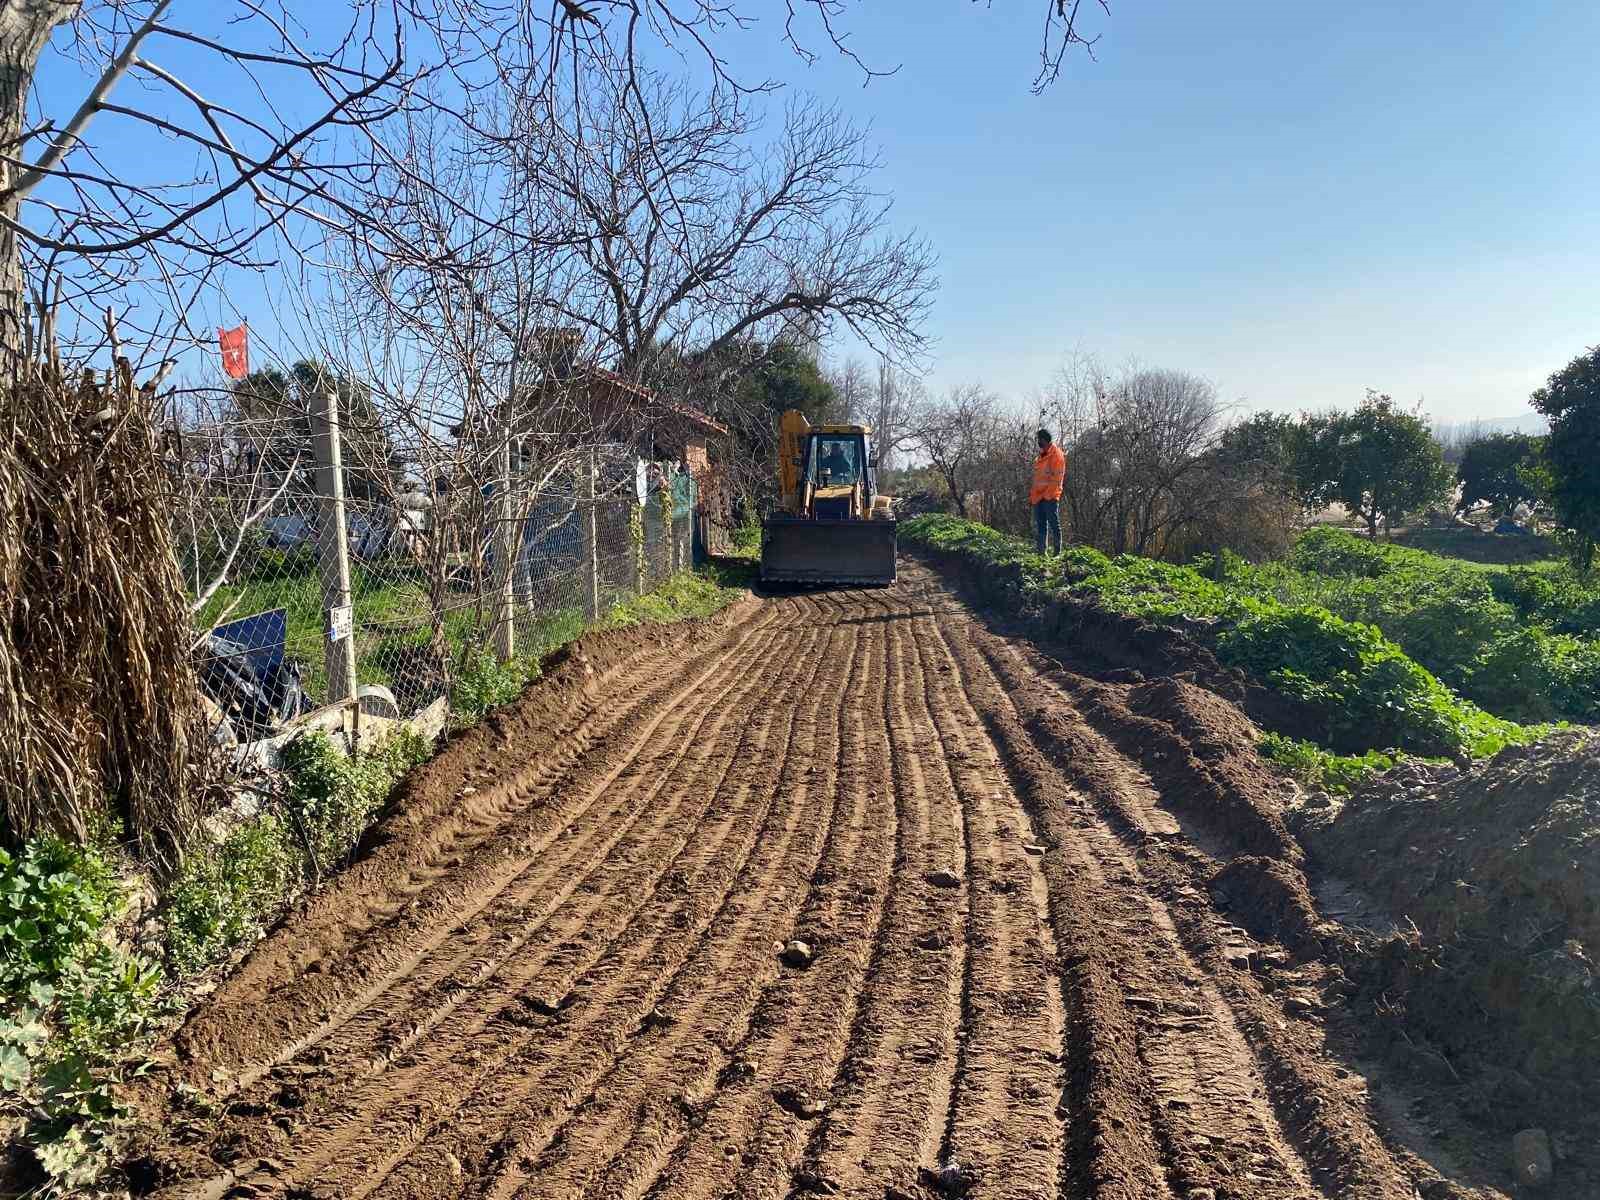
235	351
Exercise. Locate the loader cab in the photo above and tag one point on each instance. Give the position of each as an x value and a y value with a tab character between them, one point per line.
837	473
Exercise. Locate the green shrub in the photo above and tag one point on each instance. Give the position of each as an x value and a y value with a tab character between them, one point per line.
1566	600
334	797
684	595
1082	562
1325	550
1298	628
948	534
1445	628
225	895
484	683
746	538
1144	587
1575	677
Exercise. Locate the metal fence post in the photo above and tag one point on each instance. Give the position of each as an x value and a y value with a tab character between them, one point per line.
640	566
664	497
505	553
333	549
591	537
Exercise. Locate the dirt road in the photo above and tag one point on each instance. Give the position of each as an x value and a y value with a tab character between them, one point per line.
558	972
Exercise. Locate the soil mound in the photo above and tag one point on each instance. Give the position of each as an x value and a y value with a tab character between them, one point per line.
1498	870
1271	899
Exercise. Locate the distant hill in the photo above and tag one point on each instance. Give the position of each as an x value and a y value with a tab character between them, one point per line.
1529	422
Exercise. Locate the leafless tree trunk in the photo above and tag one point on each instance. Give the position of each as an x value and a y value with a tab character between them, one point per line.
1136	445
955	433
25	29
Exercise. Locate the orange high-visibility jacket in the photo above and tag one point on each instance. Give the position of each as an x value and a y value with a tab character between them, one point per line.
1049	473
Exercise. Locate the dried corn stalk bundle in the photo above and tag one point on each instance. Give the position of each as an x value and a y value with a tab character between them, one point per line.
97	690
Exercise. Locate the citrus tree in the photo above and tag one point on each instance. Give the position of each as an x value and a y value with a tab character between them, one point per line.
1568	474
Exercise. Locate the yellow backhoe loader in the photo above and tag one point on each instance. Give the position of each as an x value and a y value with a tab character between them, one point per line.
831	525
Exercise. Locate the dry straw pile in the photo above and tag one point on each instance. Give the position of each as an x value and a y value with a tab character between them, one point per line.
98	696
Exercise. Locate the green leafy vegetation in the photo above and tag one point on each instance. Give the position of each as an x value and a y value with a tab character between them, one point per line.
1567	475
1317	768
746	537
225	894
1402	650
1372	693
76	1006
685	595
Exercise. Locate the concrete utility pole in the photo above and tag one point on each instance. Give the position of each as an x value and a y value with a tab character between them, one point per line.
333	549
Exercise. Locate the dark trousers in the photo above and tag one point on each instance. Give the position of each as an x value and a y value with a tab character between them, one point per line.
1047	519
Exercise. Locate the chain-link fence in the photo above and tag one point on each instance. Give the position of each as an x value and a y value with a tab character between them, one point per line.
399	590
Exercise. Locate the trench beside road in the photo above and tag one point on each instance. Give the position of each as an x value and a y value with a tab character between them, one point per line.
565	967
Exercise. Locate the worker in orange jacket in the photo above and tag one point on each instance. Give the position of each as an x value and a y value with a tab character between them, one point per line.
1049	474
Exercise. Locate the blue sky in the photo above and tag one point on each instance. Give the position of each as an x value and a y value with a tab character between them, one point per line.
1296	201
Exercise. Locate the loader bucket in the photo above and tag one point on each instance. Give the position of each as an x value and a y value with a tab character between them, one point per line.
851	552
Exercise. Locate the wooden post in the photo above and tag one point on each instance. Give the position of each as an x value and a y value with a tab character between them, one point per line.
333	549
506	545
591	536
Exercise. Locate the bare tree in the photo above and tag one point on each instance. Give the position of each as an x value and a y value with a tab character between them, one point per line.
89	220
850	381
887	404
1136	450
955	434
690	232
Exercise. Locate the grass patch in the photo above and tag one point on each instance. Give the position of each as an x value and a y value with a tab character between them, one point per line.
389	609
1481	547
683	596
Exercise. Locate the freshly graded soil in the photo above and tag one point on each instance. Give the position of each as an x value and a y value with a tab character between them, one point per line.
1056	943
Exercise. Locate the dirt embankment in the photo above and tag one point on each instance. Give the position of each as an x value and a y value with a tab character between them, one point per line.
1112	645
1494	873
1482	986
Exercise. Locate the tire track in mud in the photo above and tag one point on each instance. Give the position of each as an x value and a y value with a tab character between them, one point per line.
574	988
417	917
615	1143
783	1069
1205	1091
892	1092
509	978
748	824
605	964
593	840
1002	1126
